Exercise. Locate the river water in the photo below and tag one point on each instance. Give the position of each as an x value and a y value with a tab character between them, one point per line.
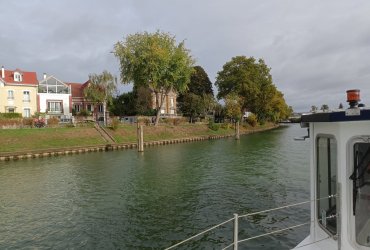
127	200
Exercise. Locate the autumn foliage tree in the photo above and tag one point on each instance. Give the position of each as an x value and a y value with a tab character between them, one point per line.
233	107
155	61
100	89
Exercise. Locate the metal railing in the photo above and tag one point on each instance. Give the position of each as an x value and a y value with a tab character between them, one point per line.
236	218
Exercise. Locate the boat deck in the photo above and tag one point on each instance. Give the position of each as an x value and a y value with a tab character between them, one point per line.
311	244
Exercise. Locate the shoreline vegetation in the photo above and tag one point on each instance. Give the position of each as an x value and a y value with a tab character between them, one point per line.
33	143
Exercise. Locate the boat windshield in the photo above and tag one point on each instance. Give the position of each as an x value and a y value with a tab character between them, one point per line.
361	192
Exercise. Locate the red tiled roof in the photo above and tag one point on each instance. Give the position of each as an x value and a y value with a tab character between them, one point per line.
78	88
28	78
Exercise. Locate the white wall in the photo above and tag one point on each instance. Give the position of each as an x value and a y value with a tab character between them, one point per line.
45	97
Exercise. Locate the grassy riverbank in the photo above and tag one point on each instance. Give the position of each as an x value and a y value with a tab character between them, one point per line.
21	140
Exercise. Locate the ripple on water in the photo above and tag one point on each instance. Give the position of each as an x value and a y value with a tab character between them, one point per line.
125	200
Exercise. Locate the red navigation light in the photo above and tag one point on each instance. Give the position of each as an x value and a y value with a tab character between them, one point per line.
353	97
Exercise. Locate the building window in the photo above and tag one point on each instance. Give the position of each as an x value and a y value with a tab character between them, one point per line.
89	107
11	110
77	108
17	77
101	110
327	183
55	107
53	86
26	112
171	103
26	96
10	95
361	192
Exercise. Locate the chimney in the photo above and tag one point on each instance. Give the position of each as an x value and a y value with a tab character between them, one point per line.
44	76
2	72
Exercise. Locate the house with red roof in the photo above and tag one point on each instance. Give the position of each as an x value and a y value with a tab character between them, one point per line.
80	103
18	91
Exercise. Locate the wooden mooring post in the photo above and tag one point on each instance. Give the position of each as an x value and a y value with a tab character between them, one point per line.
237	130
140	138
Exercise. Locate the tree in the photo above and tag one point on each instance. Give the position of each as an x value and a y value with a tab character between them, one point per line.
201	86
100	89
219	113
324	107
314	108
124	104
143	101
155	61
191	106
340	106
233	109
199	82
252	82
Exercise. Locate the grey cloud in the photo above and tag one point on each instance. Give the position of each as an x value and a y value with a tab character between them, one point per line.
316	50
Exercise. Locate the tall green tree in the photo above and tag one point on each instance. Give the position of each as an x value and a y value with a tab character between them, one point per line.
124	104
199	86
192	106
100	89
154	60
199	82
252	82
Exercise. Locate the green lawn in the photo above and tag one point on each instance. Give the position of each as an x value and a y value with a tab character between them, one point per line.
18	140
35	139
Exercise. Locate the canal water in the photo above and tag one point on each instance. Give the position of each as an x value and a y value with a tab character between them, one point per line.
127	200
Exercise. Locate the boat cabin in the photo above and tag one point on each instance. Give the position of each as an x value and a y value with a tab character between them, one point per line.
340	177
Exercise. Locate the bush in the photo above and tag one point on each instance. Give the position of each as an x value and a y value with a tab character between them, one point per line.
38	114
252	120
39	122
84	113
213	126
144	120
53	121
178	121
10	123
10	115
28	122
225	125
114	124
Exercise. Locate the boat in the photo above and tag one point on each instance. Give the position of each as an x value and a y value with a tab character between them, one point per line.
339	182
340	177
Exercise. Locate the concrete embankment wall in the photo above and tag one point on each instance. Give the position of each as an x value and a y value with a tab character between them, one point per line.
108	147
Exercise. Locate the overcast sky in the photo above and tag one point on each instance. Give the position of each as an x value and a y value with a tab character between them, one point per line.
316	49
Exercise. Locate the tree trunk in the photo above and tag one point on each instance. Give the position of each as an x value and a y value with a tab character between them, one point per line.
159	106
104	113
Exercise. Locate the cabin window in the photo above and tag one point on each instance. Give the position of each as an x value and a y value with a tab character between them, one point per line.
361	192
327	183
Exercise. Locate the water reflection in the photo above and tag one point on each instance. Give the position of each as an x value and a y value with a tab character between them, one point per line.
126	200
